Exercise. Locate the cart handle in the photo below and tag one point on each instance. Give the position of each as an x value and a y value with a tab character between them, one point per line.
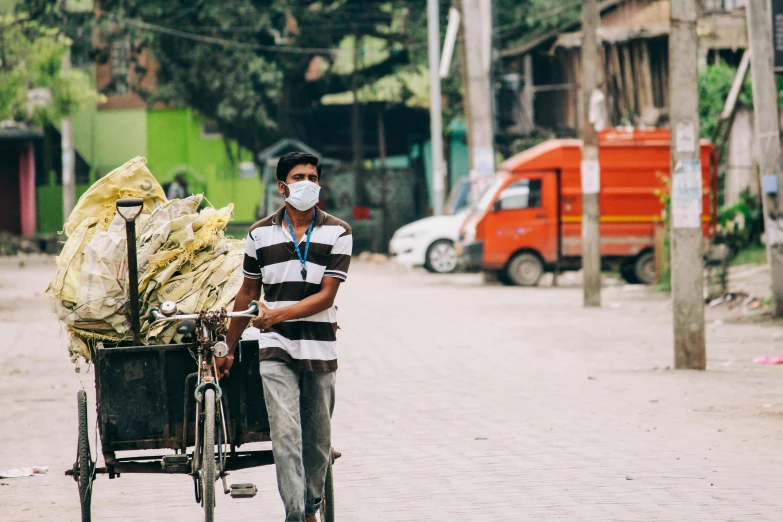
155	314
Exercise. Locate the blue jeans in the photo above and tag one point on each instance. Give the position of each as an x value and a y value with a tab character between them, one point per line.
300	406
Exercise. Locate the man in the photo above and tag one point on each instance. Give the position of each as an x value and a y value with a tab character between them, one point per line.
178	188
301	255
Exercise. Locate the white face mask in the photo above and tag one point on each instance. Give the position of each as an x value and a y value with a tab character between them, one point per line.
303	195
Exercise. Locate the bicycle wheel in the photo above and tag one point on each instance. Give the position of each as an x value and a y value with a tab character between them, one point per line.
84	458
208	457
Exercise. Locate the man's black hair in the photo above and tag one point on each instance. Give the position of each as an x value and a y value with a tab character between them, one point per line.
288	161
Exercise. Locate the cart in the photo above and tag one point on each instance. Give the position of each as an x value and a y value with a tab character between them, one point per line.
169	398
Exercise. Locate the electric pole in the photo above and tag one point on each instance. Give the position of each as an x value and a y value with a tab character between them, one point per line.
591	169
765	109
436	122
476	15
687	265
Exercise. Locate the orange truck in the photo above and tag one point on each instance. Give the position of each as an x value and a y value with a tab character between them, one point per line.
529	221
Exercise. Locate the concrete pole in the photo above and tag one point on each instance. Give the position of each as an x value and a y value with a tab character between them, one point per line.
479	99
357	131
591	170
68	155
765	108
687	264
436	122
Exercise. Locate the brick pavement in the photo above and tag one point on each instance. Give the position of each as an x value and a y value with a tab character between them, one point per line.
465	402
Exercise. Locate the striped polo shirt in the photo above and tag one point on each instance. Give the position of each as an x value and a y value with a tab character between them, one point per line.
308	344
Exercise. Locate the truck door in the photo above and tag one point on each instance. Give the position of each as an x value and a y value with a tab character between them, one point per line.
524	216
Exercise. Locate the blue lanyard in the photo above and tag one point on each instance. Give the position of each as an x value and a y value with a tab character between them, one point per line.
302	260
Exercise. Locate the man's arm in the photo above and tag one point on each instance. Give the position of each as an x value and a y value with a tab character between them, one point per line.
308	306
249	291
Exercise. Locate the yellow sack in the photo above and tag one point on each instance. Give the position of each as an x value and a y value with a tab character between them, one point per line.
132	180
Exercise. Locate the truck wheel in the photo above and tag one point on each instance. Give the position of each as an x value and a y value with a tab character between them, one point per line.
645	269
525	269
628	272
441	257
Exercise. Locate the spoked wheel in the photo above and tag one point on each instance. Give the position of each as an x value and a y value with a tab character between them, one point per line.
208	457
327	502
84	464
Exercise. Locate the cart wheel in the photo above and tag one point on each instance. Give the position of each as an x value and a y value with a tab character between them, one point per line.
327	502
208	457
84	459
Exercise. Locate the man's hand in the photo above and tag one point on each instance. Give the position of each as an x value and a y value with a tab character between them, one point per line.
223	365
267	317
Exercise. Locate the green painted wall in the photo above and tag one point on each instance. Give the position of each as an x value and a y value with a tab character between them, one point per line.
175	143
118	136
171	140
49	207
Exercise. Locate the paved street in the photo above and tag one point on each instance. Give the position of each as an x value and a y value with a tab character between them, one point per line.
456	401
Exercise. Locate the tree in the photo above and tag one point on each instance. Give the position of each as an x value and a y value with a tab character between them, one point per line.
243	63
31	56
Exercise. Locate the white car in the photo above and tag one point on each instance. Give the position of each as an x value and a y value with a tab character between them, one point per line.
429	242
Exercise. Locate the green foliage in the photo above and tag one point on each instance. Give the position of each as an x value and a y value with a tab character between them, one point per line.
740	225
752	255
665	277
714	86
31	56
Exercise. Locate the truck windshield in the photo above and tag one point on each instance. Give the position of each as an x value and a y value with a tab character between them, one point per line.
486	198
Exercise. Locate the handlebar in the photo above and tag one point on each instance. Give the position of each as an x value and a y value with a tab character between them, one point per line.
155	314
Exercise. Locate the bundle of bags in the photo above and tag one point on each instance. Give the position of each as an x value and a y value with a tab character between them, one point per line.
183	256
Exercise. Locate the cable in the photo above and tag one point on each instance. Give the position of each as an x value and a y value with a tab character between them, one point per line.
231	43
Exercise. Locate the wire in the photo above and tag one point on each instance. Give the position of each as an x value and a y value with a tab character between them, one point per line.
238	45
222	41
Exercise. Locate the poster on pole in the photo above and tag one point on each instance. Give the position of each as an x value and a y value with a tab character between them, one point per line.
777	33
591	176
686	198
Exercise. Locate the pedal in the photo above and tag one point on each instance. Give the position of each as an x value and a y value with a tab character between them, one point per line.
243	490
179	463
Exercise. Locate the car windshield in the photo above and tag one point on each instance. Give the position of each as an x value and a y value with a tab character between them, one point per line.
486	198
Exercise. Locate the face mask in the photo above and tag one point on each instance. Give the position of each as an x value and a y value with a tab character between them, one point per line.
303	195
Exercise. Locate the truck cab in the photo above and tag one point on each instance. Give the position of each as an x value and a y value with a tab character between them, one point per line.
528	221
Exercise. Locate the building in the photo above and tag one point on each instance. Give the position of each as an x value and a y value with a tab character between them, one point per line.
17	178
542	77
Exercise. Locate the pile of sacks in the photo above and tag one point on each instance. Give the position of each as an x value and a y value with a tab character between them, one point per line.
183	256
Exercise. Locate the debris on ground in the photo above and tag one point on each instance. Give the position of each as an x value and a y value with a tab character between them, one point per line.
767	359
183	256
24	472
735	300
11	245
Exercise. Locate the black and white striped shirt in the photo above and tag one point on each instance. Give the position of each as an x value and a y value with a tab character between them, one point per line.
308	344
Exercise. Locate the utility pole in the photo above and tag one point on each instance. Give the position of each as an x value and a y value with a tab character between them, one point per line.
436	121
476	15
68	155
765	109
356	128
591	169
687	264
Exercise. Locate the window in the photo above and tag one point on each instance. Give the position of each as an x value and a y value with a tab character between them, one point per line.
210	130
520	195
120	64
486	198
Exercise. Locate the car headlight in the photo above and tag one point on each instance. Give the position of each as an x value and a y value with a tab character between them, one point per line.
468	234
